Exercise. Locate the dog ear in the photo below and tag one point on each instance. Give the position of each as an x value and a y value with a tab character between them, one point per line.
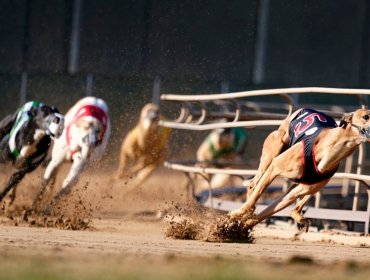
47	110
346	119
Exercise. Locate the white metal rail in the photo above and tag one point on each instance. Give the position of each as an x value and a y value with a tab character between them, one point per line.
264	92
199	120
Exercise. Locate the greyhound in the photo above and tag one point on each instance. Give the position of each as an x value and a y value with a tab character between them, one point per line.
83	142
222	145
25	138
144	147
307	147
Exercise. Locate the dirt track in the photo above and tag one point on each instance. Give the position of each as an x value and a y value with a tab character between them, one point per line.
143	238
126	223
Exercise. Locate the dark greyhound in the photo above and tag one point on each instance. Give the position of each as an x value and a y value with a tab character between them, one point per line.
25	137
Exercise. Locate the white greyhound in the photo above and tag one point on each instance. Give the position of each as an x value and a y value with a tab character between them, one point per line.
84	140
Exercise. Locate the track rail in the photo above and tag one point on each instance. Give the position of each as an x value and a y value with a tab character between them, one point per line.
194	114
265	92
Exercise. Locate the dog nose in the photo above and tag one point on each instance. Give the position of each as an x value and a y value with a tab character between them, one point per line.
56	125
90	139
153	115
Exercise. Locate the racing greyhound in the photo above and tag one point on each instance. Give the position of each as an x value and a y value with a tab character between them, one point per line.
25	138
224	145
83	142
307	148
144	147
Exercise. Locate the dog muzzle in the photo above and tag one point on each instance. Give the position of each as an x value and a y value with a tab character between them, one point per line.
153	115
56	125
90	139
364	131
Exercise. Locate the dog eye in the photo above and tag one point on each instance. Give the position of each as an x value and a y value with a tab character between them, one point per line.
366	117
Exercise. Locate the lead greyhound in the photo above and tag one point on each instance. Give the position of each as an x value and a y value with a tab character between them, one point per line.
25	138
307	148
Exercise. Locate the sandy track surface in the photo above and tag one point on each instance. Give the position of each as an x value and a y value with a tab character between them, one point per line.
148	238
130	230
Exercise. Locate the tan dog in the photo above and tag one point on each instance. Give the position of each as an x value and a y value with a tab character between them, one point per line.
307	148
144	146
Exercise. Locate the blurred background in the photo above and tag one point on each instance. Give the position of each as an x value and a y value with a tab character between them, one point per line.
125	51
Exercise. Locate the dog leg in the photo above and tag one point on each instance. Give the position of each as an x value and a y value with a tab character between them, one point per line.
127	153
302	223
58	155
286	199
140	165
5	155
144	173
272	147
296	214
6	124
140	177
77	167
46	186
123	160
129	173
12	183
289	197
50	173
143	168
288	165
12	196
249	206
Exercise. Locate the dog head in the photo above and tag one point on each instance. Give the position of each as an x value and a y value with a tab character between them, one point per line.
150	115
87	122
226	138
49	119
55	125
359	119
91	130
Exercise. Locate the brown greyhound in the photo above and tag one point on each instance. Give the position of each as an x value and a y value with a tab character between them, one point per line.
307	148
145	146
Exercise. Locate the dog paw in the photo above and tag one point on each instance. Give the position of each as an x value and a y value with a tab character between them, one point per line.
247	183
25	214
251	222
304	225
240	213
235	214
48	209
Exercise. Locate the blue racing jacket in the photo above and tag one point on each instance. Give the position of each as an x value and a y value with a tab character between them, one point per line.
304	128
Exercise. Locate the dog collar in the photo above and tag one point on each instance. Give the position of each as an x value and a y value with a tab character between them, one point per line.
363	130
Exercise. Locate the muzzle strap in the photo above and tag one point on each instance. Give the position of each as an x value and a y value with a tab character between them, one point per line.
364	131
56	125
